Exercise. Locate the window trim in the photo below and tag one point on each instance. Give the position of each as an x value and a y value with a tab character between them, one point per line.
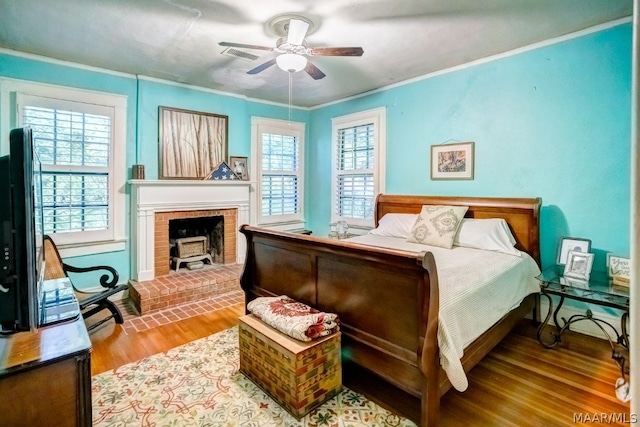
260	125
377	116
13	91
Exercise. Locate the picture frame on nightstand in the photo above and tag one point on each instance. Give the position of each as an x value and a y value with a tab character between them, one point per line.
619	269
571	244
578	265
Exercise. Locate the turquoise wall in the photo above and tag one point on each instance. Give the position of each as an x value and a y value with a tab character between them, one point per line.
153	94
144	97
553	122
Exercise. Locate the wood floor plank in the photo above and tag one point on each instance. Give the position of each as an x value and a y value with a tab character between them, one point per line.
518	384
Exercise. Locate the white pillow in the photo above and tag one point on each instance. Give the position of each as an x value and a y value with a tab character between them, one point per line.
489	234
437	225
395	225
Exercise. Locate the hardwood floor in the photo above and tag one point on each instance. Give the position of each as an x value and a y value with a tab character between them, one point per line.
518	384
522	384
113	348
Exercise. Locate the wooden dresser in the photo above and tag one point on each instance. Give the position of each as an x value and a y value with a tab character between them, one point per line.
45	376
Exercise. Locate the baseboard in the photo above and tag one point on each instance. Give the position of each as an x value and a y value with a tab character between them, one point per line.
585	326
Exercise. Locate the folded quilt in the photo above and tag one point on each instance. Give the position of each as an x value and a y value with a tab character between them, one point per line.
293	318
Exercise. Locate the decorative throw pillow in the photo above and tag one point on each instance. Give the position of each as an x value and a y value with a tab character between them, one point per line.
437	225
395	225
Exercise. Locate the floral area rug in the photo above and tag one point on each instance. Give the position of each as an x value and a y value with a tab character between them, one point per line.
199	384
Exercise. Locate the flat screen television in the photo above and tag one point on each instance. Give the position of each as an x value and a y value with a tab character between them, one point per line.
22	258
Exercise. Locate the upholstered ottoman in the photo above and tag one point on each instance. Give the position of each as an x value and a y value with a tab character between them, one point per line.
298	375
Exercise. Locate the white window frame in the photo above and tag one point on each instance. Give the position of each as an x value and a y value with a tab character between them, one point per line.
14	92
377	117
260	125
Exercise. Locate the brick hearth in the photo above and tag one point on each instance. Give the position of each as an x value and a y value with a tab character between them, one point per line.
184	287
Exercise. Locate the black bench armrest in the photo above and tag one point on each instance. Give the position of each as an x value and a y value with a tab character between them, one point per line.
105	280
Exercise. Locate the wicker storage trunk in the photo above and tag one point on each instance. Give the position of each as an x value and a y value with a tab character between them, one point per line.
298	375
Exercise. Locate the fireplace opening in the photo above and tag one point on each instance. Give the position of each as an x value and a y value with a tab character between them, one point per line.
196	241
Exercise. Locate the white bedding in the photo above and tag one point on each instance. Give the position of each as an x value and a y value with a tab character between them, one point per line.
477	288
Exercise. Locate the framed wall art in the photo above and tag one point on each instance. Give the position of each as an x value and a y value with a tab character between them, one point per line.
578	265
571	244
452	161
192	144
240	167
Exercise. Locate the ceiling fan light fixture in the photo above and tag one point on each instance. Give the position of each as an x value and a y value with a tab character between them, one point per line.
291	62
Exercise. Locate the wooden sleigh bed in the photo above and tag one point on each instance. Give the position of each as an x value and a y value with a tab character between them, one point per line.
387	300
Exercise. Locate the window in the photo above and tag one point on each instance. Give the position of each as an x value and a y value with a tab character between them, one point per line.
79	137
358	165
278	147
74	149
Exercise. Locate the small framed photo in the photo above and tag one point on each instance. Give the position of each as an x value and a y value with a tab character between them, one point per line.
240	166
452	161
578	265
571	244
619	269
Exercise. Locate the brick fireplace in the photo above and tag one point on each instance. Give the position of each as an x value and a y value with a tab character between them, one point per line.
154	287
155	202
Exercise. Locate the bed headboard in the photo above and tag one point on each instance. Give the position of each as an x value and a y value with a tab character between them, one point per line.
522	214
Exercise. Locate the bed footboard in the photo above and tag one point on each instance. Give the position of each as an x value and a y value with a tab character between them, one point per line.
387	302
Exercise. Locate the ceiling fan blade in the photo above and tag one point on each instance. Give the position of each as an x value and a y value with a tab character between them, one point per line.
314	71
296	32
336	51
246	46
262	67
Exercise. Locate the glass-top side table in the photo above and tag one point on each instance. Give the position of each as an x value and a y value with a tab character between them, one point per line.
597	290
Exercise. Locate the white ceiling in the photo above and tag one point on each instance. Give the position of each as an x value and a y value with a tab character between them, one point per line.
178	40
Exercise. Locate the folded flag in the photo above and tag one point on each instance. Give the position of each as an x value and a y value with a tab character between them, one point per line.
294	318
222	172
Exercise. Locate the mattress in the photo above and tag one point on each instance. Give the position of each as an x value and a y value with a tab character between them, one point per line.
477	288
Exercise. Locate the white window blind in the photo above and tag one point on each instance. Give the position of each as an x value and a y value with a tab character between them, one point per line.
356	162
359	142
74	149
280	167
278	147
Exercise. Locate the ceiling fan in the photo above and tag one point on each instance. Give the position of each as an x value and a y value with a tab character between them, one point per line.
292	49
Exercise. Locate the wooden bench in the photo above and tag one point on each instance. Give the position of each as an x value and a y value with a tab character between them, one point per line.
91	301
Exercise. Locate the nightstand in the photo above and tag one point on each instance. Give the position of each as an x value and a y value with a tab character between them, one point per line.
598	290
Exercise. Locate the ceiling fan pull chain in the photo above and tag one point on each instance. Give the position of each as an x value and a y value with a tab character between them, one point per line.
290	94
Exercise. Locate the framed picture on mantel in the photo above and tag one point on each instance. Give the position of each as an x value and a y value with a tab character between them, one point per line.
240	166
192	144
